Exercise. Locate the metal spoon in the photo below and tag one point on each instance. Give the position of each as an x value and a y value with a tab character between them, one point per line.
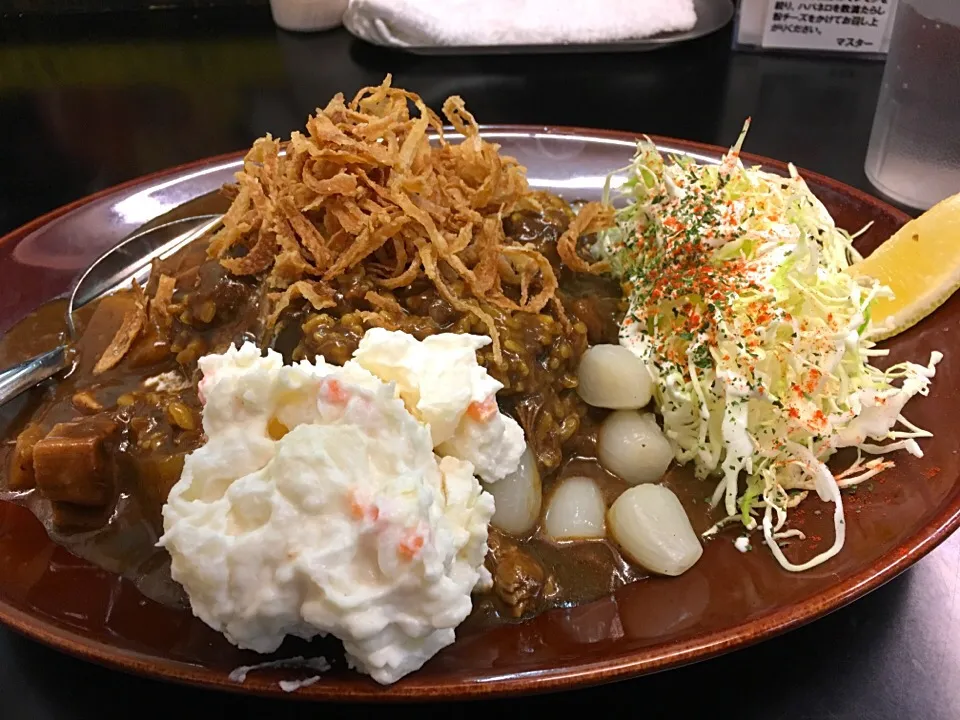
112	271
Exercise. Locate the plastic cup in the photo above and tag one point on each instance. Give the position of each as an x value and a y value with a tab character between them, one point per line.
914	152
308	15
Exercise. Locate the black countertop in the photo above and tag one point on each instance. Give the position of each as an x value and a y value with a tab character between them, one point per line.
89	102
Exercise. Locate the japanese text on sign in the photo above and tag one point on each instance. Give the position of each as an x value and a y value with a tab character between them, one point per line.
850	26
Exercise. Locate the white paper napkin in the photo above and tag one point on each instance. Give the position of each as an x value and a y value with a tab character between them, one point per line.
419	23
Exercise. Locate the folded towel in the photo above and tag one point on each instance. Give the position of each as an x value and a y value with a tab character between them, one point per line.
424	23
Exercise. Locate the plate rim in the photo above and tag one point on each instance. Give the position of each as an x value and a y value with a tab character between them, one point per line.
578	675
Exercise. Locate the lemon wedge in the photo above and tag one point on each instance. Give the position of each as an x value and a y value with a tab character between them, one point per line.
920	263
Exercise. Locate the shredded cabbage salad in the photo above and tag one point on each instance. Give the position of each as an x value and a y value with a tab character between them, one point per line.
757	337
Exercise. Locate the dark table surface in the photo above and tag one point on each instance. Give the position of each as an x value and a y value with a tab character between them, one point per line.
89	102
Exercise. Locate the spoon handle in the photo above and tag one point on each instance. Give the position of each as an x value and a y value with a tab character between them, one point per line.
18	378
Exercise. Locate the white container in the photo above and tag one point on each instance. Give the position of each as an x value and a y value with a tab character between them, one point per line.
308	15
914	152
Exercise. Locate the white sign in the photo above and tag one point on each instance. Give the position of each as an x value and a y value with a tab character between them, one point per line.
841	25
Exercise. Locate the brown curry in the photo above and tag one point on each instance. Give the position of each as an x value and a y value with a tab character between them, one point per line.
360	223
96	454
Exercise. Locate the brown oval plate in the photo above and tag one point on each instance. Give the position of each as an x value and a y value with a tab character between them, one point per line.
727	601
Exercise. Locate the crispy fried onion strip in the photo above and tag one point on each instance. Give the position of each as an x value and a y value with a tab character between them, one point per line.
160	303
130	327
364	186
592	218
317	294
387	303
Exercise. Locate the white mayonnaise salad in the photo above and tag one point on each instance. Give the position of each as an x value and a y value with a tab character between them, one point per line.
319	506
442	384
